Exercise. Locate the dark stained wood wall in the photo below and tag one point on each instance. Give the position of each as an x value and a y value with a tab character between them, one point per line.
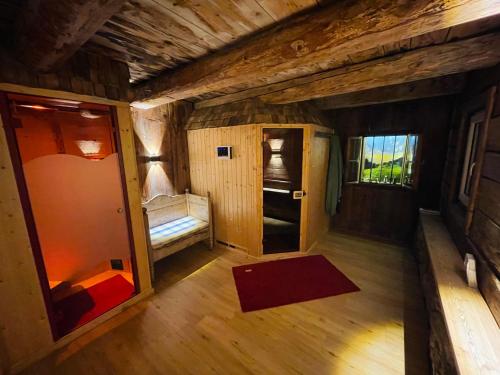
389	212
160	132
483	239
84	73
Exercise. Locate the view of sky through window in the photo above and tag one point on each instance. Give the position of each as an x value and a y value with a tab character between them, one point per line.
383	158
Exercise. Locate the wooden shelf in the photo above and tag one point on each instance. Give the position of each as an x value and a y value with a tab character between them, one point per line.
473	331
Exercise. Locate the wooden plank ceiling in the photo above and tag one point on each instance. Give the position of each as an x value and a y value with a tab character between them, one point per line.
213	52
155	35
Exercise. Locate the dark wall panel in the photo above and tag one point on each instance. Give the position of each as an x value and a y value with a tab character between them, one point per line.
391	212
483	238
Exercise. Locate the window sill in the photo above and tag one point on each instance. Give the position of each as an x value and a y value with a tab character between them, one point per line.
471	327
381	186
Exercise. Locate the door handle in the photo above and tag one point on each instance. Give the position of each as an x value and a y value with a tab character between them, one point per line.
119	210
298	194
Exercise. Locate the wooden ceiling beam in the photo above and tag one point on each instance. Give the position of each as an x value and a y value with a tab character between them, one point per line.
411	66
319	40
427	88
424	63
51	31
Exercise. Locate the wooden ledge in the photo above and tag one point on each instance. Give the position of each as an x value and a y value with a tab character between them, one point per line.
472	329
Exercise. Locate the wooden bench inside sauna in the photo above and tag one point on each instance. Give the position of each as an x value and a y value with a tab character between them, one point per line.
176	222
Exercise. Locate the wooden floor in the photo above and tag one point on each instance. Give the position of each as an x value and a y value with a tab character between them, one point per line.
194	325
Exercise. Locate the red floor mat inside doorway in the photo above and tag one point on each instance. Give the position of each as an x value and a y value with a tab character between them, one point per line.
82	307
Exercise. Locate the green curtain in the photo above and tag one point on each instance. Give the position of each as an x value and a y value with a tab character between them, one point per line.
334	180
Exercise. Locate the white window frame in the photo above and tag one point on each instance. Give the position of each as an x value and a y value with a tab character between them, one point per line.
475	122
358	160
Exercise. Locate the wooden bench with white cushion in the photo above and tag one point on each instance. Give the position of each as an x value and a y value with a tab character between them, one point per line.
176	222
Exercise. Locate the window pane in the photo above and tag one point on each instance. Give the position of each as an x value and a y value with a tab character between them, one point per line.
384	157
352	170
378	159
367	159
411	154
353	159
472	159
354	148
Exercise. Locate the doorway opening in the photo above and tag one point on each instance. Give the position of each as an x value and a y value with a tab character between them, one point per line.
282	150
69	172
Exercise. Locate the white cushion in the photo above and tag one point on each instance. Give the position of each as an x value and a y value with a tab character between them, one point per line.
164	234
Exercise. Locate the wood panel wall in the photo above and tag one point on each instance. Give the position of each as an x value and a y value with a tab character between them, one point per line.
232	183
387	212
160	132
84	73
483	239
236	185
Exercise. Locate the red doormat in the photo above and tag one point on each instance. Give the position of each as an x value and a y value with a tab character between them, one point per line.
286	281
86	305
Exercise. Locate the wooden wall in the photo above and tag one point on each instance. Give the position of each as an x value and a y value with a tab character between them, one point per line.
255	111
84	73
236	185
484	237
232	183
160	132
388	212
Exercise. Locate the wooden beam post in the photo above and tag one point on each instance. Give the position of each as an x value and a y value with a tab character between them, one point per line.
51	31
322	39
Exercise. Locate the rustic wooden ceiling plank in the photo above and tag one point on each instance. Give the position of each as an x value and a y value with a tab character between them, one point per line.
283	9
305	45
429	62
139	40
159	17
51	31
228	20
427	88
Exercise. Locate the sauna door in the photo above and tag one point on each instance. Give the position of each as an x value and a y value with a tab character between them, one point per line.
282	150
70	180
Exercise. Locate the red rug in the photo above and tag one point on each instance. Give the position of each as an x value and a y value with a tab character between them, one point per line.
286	281
86	305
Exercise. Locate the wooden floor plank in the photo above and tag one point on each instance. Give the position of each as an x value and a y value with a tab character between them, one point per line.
194	325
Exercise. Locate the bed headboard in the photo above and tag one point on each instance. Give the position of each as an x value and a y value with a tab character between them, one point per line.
164	208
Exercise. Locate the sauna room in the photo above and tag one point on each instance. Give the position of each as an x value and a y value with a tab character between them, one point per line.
249	187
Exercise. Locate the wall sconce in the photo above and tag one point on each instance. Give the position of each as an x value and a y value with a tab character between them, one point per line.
153	158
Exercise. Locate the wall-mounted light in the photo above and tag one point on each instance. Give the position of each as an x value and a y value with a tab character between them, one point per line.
153	158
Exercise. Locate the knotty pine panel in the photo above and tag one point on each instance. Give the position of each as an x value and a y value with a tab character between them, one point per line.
231	183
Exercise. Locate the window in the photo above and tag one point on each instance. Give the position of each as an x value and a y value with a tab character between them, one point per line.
384	159
470	158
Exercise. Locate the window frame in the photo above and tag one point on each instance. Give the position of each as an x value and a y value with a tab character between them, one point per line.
361	163
359	160
476	121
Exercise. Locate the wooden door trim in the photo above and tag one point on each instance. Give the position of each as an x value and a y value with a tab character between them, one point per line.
123	182
22	188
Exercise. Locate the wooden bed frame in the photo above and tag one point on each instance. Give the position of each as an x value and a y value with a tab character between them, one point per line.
163	209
